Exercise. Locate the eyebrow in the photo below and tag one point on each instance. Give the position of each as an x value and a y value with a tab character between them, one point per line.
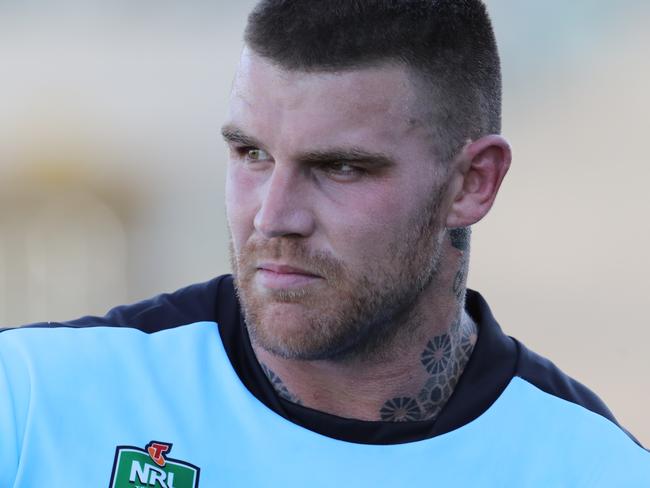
234	134
350	155
354	154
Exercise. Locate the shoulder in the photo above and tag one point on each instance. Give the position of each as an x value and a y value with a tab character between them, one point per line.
564	423
51	371
539	406
546	376
195	303
156	326
561	441
568	393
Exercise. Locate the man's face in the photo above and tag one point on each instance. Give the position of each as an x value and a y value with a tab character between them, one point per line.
335	205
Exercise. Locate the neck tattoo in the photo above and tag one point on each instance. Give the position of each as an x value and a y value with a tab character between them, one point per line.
279	386
444	359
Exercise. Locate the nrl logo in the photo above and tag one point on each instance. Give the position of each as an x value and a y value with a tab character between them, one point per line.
150	467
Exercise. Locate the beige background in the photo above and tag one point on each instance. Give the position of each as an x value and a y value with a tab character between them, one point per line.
111	171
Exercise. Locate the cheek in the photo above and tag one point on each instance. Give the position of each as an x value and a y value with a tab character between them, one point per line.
240	206
381	220
369	226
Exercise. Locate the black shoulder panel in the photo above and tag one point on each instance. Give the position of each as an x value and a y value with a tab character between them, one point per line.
542	373
191	304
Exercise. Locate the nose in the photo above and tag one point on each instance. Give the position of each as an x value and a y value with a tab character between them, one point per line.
285	206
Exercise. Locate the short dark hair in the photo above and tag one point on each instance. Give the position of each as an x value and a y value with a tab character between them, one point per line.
449	44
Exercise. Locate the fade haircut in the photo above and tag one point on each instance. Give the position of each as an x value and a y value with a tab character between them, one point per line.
448	45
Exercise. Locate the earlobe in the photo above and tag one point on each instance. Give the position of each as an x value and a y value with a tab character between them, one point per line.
481	167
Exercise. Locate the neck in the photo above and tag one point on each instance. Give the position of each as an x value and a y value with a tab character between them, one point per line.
410	379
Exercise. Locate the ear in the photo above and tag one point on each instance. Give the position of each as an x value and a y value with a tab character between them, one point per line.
480	169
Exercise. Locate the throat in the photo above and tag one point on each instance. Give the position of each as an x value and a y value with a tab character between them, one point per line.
444	359
413	388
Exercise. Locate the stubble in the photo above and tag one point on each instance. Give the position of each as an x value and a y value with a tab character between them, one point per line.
347	314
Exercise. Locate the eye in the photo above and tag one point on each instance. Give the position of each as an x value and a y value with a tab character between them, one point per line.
255	154
343	171
342	168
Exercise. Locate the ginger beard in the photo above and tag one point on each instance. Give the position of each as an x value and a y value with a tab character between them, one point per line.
347	313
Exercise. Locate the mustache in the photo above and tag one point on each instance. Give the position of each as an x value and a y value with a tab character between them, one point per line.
291	252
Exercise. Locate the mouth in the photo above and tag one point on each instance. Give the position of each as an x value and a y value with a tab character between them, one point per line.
282	276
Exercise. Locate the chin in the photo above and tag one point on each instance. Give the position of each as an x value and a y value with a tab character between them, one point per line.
281	318
284	329
297	331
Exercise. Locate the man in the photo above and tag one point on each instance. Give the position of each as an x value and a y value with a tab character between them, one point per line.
364	143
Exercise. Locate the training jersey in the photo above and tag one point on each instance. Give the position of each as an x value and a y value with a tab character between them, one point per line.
167	393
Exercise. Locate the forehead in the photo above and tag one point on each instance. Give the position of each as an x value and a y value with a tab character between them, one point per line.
376	104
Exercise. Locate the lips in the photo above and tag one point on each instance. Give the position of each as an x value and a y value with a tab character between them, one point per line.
282	276
285	269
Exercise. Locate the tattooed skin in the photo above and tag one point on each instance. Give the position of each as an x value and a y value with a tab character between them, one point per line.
401	409
278	385
444	356
444	359
437	354
460	279
460	238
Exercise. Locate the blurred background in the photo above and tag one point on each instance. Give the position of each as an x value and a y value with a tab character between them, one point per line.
112	170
